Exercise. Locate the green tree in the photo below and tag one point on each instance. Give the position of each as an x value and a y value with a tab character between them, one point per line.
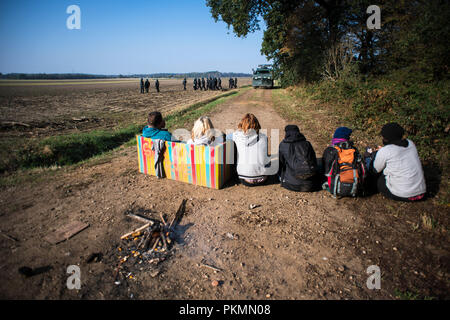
297	34
300	35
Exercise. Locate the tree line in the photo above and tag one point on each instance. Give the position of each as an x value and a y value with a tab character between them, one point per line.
68	76
310	40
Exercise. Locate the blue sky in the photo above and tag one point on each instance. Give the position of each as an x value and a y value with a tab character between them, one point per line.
121	37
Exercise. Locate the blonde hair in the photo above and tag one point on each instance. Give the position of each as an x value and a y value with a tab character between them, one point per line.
201	127
248	122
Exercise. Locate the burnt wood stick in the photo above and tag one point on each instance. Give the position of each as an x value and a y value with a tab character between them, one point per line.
7	236
210	267
147	242
162	219
156	243
140	218
117	270
145	226
144	238
163	237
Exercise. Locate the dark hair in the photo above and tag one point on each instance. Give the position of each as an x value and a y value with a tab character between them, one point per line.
392	132
154	118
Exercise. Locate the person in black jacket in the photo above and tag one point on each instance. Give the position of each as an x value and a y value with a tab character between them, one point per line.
142	85
147	85
298	163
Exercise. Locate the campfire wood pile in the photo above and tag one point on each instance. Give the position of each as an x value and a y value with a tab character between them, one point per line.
145	247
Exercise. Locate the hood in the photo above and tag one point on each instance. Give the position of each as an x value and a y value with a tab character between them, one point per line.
151	132
202	140
293	134
248	139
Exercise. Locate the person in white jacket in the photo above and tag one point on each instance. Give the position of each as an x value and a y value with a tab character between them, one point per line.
204	133
402	175
251	146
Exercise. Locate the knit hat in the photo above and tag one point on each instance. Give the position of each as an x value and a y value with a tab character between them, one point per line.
342	133
392	132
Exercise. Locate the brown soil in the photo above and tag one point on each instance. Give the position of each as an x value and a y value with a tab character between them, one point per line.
41	110
292	246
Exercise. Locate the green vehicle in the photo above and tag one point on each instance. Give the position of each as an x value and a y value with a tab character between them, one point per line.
262	76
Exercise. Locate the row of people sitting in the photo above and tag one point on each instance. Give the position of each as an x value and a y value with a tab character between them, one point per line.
394	170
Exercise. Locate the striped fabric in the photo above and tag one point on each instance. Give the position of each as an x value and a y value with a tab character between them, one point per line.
200	165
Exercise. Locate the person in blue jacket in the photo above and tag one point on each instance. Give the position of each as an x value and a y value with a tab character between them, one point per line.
155	128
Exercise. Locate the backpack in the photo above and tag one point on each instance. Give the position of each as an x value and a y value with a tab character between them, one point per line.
347	172
301	161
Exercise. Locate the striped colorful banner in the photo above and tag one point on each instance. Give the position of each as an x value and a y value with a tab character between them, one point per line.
199	165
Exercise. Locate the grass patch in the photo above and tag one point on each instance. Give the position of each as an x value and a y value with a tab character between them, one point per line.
408	295
76	148
297	104
421	108
73	148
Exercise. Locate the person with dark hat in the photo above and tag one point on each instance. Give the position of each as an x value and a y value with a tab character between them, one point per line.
343	166
341	134
203	83
298	169
401	174
157	85
184	84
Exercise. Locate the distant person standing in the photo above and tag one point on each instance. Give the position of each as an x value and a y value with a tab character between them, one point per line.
142	85
220	84
235	83
203	84
195	83
147	85
157	85
184	84
230	83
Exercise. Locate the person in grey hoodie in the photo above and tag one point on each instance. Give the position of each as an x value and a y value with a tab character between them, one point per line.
251	146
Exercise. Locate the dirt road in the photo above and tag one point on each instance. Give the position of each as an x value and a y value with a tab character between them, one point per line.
291	246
